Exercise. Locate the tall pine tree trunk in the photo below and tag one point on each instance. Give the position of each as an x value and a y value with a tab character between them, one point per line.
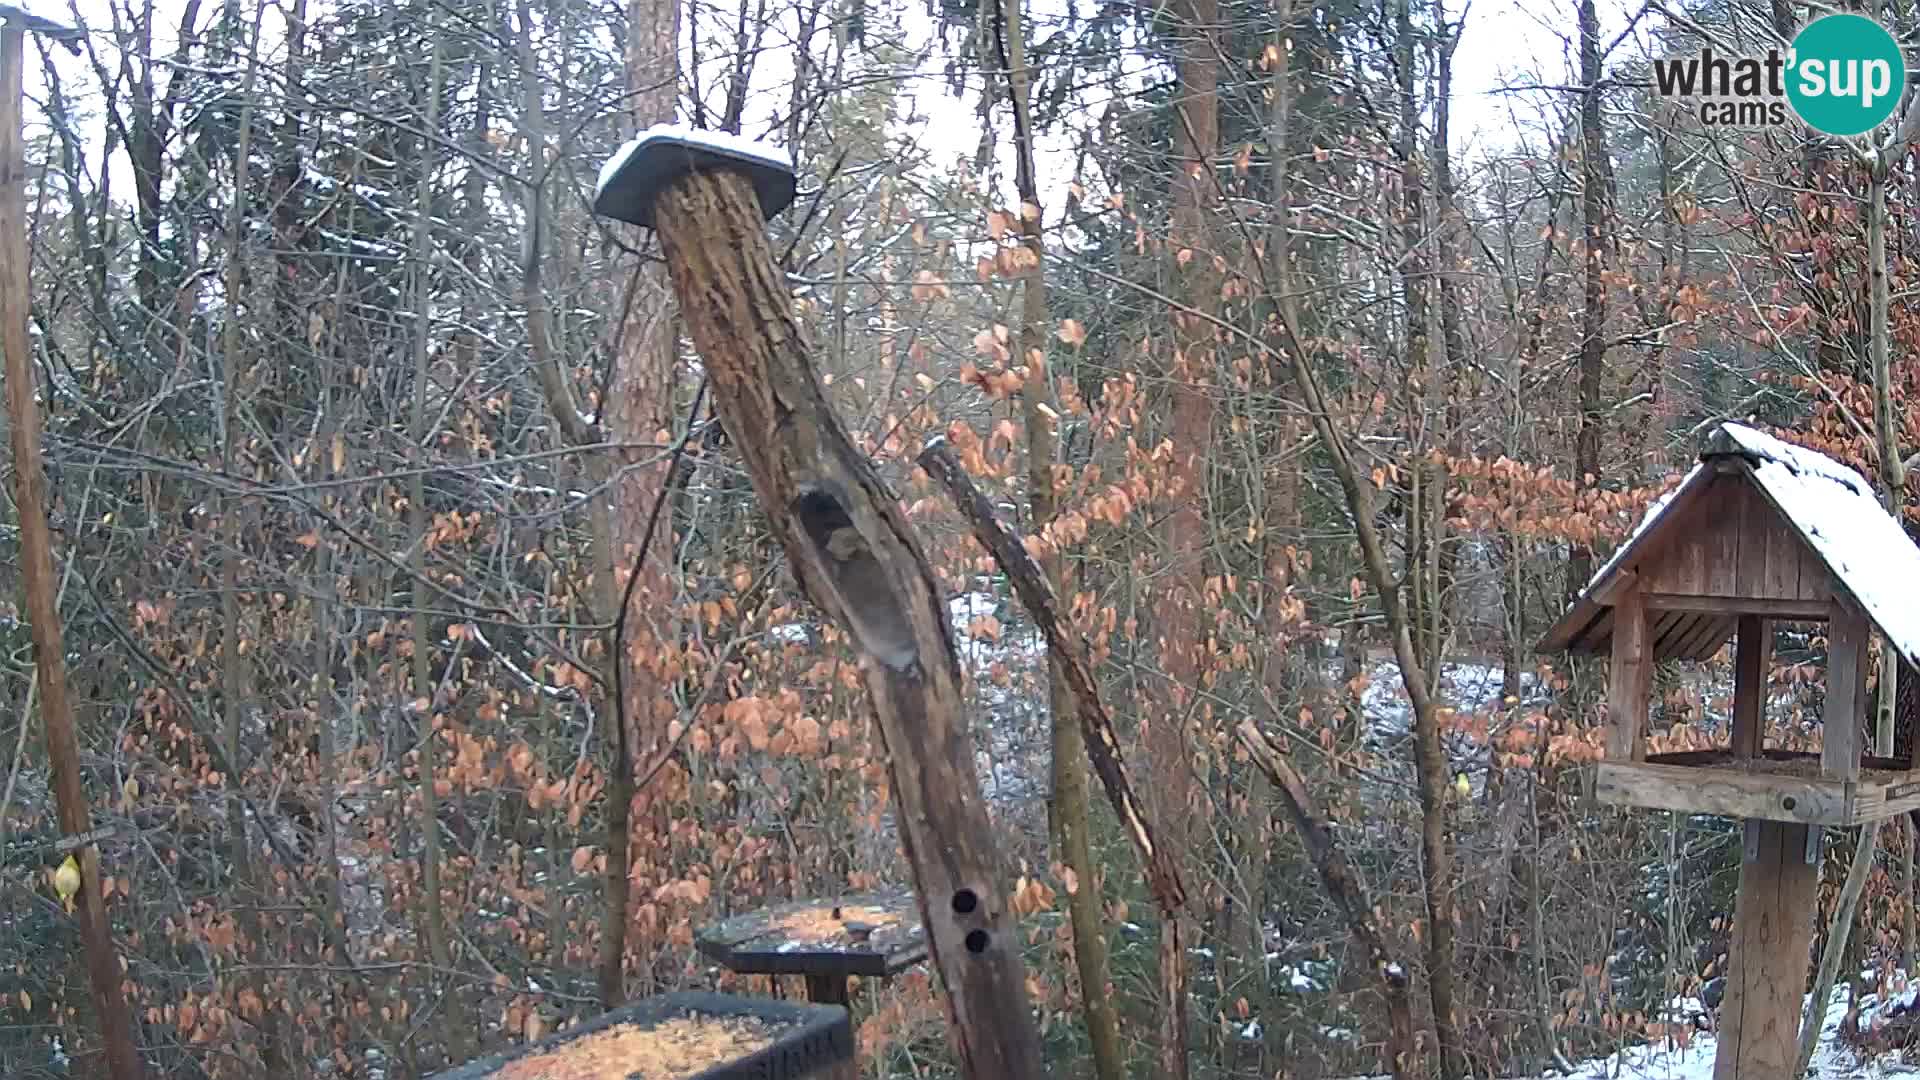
1195	138
1593	315
640	410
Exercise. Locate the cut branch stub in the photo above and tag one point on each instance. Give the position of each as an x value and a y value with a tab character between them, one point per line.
855	555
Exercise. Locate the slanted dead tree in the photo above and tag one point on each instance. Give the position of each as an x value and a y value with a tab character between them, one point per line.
853	552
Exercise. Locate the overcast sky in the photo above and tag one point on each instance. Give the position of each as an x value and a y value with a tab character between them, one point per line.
1506	43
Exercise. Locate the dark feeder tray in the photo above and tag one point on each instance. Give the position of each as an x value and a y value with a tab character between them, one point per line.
757	944
812	1039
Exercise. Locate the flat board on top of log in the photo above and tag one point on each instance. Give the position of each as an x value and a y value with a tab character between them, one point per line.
874	934
1775	786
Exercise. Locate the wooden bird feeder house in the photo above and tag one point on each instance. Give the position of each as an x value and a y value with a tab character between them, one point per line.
1759	532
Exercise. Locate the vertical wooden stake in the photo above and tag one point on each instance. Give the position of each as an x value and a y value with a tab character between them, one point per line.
36	557
1629	678
1751	652
1767	957
1840	728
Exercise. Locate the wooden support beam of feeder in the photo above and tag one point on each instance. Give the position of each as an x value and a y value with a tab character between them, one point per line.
1840	728
1767	957
1752	645
104	969
853	552
1630	678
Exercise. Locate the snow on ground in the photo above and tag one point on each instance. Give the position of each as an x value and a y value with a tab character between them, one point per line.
1662	1060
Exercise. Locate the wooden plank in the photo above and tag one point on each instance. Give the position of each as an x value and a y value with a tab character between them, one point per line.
1772	930
1759	537
1680	566
1840	736
1707	638
1629	679
1879	800
1594	640
1781	573
1773	607
1720	542
1753	647
1608	591
1668	628
1731	793
1816	581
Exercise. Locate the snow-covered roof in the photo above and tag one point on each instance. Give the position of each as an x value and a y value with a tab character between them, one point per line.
630	178
38	18
1828	505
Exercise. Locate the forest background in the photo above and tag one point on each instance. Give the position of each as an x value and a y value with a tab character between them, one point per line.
355	414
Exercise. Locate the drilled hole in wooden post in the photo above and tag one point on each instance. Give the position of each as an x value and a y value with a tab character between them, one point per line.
977	941
964	901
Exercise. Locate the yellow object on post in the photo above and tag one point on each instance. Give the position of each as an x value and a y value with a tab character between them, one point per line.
66	881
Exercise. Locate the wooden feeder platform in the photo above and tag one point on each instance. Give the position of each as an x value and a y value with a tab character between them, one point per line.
874	935
685	1036
1778	786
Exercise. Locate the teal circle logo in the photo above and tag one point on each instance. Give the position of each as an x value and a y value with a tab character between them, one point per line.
1845	75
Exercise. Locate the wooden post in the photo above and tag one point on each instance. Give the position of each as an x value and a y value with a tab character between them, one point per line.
833	990
854	553
1752	649
1629	677
1767	958
1840	728
104	972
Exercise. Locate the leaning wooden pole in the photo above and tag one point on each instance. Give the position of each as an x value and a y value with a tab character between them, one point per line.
36	559
852	551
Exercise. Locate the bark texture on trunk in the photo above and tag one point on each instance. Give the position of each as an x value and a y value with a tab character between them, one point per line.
854	553
638	410
1196	137
104	972
1593	315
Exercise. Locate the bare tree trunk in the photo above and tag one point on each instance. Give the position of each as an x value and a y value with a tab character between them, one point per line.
1893	473
1416	273
1455	364
235	691
104	972
1196	135
640	407
1069	806
1593	315
1412	619
1437	854
424	690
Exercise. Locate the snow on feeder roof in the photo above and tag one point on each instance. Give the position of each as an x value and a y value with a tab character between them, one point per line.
40	24
640	170
1759	526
